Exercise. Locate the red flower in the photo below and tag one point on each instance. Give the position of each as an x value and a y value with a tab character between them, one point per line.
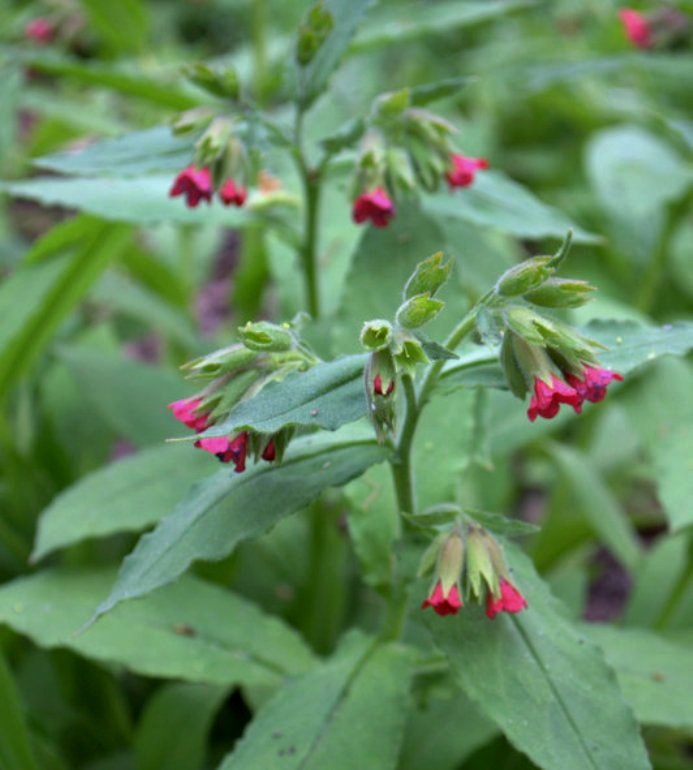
40	30
227	450
443	605
231	193
376	206
463	170
637	28
378	386
184	410
510	600
592	387
547	399
270	452
195	184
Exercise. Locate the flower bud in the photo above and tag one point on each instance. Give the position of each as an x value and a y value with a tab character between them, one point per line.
213	142
380	379
376	335
524	277
390	106
191	121
266	337
313	33
445	595
219	362
398	170
523	322
560	292
480	571
428	276
408	352
222	83
511	368
418	310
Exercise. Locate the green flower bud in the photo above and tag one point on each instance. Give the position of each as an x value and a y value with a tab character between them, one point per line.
376	335
313	33
380	377
480	570
390	106
428	276
222	83
560	292
524	277
266	337
213	142
418	310
191	121
450	560
219	362
511	368
523	322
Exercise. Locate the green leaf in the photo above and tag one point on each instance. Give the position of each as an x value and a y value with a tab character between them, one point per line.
140	200
172	731
541	682
15	741
192	630
631	344
135	154
213	518
125	496
37	299
122	25
411	21
498	202
598	505
348	714
327	396
501	524
655	674
422	95
312	79
130	396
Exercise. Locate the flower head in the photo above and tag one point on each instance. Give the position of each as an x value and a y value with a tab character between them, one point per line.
510	600
231	193
195	184
547	398
185	411
636	27
374	205
442	603
269	453
593	383
40	30
464	170
227	450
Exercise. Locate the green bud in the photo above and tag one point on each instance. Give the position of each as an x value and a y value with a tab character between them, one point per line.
400	175
390	106
513	372
428	276
222	83
313	33
410	352
376	335
191	121
532	360
380	377
213	143
523	322
560	292
219	362
418	310
266	337
524	277
450	560
480	571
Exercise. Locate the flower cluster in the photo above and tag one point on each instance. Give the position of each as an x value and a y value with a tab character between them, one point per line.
40	30
663	28
196	185
472	564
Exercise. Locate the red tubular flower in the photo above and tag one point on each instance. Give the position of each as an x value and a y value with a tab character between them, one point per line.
195	184
464	170
374	205
231	193
593	384
270	452
40	31
184	410
442	604
227	450
636	27
510	600
547	398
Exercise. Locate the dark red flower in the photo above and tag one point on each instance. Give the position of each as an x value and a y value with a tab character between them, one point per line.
593	384
227	450
464	170
374	205
185	411
378	386
443	605
231	193
547	398
40	30
195	184
510	600
270	452
636	27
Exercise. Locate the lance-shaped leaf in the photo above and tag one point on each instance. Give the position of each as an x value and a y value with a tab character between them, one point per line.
192	630
327	396
547	687
228	508
348	714
125	496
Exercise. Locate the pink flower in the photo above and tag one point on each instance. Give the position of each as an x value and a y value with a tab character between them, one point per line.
442	604
40	30
637	28
231	193
195	184
547	399
185	410
592	387
463	170
227	450
510	600
374	205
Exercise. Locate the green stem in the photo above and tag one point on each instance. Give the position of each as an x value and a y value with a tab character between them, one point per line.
258	32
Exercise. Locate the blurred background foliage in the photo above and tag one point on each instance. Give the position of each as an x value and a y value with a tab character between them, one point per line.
104	296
